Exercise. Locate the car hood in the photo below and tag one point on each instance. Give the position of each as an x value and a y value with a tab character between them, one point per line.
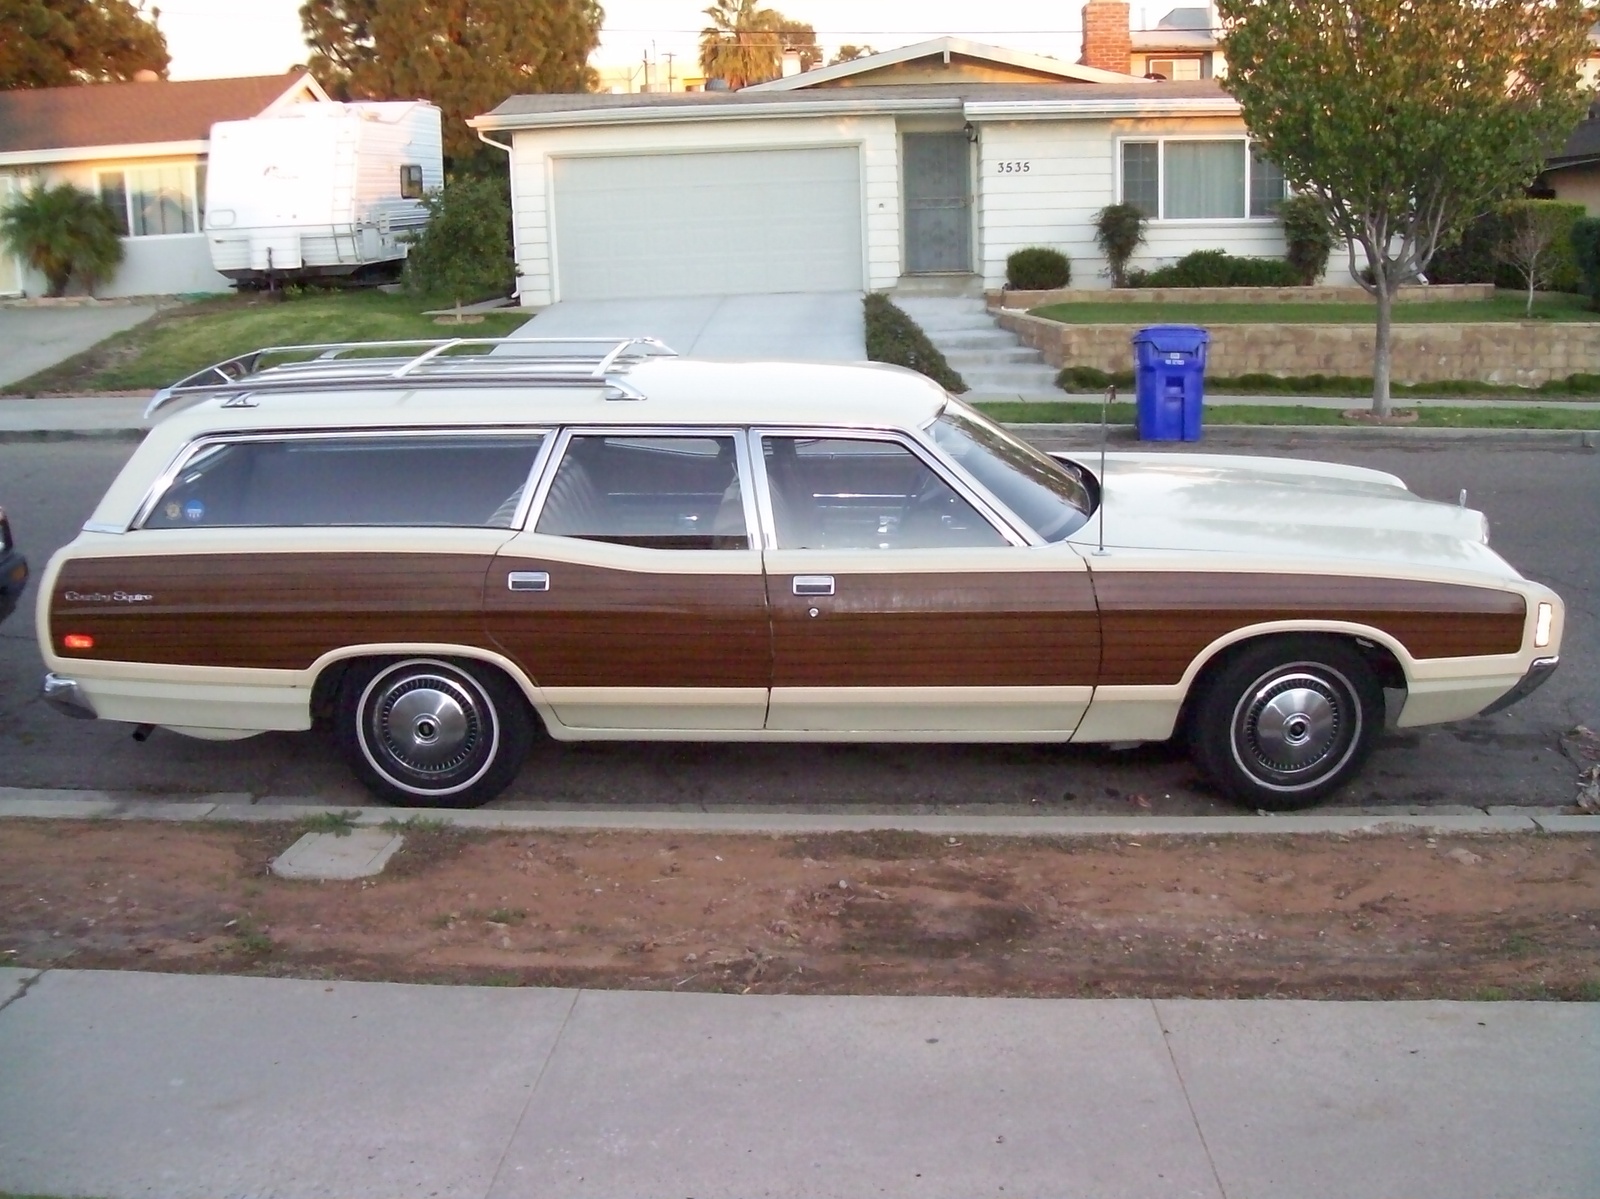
1281	508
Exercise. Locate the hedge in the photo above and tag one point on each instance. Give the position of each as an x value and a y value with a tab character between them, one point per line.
894	337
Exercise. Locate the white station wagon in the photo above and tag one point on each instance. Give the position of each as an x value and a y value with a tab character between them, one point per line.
445	547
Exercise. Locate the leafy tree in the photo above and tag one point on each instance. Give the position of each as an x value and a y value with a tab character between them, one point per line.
58	43
464	55
463	253
63	233
849	53
744	43
1406	118
1118	230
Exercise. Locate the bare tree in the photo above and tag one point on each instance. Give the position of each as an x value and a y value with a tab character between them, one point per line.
1529	241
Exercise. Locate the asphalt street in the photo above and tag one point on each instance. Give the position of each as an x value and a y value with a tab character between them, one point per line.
1543	506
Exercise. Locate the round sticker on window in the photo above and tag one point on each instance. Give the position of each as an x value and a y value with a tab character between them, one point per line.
194	510
173	510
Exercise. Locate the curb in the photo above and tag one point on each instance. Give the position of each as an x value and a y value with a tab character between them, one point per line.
1053	436
23	436
237	809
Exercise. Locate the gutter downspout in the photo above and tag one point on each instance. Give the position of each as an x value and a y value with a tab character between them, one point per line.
516	234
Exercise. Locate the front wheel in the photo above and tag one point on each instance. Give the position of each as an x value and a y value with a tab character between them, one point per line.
1287	721
431	733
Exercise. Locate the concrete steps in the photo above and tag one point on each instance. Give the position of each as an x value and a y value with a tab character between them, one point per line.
993	363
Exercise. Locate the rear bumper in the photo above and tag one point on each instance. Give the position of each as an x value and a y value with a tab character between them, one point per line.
1538	673
65	696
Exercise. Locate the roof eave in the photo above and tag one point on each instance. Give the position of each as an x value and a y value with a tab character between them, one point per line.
1089	109
668	114
59	154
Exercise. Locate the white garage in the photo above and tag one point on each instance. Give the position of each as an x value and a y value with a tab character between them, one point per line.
707	223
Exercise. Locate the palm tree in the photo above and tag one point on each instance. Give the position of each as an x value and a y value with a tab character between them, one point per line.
62	232
741	45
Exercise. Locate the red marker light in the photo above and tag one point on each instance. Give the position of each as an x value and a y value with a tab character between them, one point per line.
78	641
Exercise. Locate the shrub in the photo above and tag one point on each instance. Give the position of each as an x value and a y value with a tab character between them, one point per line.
1477	254
1217	268
1310	240
1471	257
1557	267
464	252
1083	378
64	234
894	337
1119	231
1037	268
1585	242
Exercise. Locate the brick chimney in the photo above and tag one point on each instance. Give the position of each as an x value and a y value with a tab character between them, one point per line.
1106	41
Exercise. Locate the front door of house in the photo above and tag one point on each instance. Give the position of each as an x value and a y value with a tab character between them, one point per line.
10	270
938	189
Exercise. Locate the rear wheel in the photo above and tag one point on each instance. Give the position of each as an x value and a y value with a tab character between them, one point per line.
1287	721
428	732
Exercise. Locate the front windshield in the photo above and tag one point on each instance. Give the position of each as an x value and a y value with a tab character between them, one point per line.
1041	491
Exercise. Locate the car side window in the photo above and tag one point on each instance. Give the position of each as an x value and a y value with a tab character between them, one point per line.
849	493
670	493
457	480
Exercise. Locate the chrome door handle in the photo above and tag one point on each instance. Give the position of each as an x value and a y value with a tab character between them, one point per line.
813	584
528	580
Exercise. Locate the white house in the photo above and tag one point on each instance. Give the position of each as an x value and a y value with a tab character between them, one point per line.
142	148
939	158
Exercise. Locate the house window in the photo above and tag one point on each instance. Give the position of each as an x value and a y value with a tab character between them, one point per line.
1175	68
411	181
155	201
1199	179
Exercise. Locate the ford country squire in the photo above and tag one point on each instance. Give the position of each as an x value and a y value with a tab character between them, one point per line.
444	549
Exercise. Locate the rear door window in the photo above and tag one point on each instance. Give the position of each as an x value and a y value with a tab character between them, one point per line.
448	480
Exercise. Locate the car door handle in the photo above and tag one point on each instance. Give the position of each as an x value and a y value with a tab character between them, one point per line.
528	580
813	584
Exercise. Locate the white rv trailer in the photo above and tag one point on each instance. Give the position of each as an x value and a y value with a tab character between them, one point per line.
320	189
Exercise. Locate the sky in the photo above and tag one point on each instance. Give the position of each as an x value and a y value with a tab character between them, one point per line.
213	38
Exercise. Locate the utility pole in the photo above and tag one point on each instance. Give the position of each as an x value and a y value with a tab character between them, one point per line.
646	85
669	56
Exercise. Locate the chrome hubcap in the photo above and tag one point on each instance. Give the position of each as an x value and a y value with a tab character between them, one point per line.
427	729
1293	727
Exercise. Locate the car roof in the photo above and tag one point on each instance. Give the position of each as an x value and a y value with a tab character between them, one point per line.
677	391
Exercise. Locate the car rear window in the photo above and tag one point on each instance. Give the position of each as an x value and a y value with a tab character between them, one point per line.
468	481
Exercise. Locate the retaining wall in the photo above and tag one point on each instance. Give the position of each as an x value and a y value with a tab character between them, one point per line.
1525	353
1322	294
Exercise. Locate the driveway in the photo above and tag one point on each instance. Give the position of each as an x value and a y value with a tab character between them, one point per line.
34	338
808	327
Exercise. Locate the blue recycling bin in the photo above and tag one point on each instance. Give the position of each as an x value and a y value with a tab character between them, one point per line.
1169	374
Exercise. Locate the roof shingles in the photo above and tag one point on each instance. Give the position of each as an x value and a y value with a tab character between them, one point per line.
124	114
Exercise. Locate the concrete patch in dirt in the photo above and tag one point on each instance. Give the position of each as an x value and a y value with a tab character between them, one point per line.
359	853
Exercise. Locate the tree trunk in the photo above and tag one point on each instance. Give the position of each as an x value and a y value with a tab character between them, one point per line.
1381	349
1529	313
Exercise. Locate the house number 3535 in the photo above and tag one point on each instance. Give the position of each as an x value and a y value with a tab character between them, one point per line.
1015	168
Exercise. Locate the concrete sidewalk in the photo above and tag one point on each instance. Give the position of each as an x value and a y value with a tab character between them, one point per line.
126	1084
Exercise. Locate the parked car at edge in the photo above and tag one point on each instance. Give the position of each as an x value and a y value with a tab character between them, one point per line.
13	569
444	551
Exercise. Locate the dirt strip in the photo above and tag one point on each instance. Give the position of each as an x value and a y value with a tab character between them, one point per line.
1381	916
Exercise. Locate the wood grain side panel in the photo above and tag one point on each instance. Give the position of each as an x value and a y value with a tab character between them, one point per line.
266	610
938	630
1154	624
607	627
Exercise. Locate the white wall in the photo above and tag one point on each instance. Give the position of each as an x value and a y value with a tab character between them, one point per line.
531	177
1071	175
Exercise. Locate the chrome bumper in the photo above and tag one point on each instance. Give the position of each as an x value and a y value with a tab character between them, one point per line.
1538	673
65	696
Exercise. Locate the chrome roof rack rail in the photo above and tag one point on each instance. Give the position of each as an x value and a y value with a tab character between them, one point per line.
445	362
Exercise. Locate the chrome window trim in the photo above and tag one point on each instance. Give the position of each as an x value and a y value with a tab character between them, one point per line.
204	441
986	508
742	464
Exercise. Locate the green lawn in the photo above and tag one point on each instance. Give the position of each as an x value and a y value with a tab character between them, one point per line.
179	341
1506	306
1431	417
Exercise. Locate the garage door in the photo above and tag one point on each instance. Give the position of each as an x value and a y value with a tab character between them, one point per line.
708	224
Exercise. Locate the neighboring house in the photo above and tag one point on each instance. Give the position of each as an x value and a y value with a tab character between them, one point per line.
141	147
1183	45
1573	174
936	159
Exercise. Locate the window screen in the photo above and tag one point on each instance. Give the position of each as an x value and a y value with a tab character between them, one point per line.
385	480
1266	185
669	493
1141	177
114	195
843	493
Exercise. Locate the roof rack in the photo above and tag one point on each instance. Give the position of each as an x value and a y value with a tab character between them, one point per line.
446	362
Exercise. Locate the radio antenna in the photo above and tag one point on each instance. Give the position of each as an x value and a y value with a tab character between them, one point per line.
1105	418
